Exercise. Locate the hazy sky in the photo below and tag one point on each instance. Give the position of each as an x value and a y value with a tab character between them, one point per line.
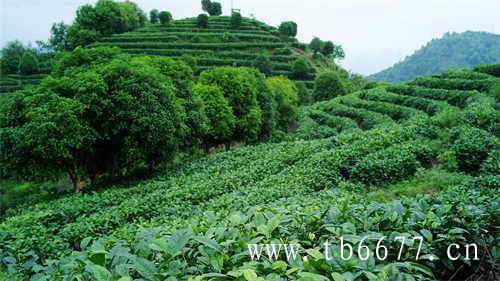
374	33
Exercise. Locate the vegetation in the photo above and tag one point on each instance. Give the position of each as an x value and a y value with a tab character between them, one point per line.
288	28
212	8
453	50
165	17
327	86
160	153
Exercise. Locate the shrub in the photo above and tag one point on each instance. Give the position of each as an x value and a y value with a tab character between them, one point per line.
236	20
28	64
491	69
165	17
301	69
202	21
263	64
471	147
316	45
327	86
386	166
288	28
153	16
285	94
305	95
482	115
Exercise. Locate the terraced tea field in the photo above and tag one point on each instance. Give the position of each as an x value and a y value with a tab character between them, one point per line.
352	155
216	45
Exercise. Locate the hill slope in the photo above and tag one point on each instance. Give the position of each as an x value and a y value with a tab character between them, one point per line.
453	50
216	45
435	138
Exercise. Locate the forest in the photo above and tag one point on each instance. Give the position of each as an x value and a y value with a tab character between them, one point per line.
452	50
136	146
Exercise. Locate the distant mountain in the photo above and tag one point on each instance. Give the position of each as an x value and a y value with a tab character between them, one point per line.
453	50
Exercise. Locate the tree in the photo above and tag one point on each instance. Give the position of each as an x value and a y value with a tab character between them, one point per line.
165	17
301	69
328	48
327	86
288	28
202	21
80	36
338	52
212	8
285	94
236	20
215	9
263	64
205	5
58	36
154	16
105	18
104	118
220	115
316	45
11	57
240	88
28	64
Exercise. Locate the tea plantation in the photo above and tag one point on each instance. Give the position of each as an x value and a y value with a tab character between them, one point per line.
419	159
217	44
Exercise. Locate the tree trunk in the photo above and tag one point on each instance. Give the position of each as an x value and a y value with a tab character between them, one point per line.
75	179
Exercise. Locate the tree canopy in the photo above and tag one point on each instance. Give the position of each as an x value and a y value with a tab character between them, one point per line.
327	86
288	28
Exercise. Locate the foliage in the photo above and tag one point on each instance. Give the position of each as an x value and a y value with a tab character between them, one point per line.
212	8
285	94
202	21
236	20
491	69
11	57
84	122
316	45
219	113
58	36
301	69
263	64
28	64
105	18
304	95
240	87
288	28
165	17
453	50
327	86
154	16
471	147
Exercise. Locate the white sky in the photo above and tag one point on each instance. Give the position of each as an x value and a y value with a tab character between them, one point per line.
374	33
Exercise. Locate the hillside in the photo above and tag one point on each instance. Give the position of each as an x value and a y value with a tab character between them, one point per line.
453	50
218	44
431	144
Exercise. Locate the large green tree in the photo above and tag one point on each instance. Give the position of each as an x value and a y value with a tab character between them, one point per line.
109	116
11	57
220	115
165	17
153	16
240	88
288	28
